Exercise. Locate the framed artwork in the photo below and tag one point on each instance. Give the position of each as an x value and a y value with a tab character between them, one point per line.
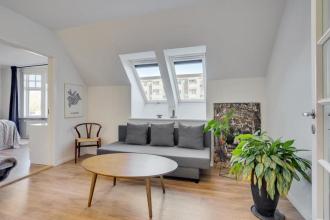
73	100
247	119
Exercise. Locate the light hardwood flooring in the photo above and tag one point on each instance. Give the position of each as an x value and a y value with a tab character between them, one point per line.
61	193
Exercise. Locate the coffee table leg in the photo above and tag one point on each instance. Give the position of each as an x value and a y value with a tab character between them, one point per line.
91	192
162	182
148	189
114	181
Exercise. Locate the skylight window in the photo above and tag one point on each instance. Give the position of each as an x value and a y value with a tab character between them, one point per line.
176	86
150	82
190	82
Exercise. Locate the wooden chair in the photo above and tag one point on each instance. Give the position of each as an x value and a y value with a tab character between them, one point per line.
87	140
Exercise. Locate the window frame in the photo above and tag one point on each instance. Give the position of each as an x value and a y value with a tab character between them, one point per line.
25	89
134	63
187	57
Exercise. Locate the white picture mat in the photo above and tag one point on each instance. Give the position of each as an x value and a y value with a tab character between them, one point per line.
73	105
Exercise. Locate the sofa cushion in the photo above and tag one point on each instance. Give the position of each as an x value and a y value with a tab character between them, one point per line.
162	134
122	136
191	136
136	133
185	157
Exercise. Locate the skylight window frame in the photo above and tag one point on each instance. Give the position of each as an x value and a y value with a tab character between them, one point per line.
187	57
134	63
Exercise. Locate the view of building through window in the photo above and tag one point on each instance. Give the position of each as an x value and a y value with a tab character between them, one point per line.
190	79
34	103
151	81
34	93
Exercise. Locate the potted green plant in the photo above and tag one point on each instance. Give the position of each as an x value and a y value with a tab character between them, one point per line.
220	127
270	165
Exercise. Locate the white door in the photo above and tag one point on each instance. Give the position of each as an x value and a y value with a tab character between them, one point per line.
320	17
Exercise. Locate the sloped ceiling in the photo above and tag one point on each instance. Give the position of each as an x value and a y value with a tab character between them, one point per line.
239	35
12	56
60	14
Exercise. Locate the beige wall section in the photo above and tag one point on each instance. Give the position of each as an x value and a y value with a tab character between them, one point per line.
237	90
109	106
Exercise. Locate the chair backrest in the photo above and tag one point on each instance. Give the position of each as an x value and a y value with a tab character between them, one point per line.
88	128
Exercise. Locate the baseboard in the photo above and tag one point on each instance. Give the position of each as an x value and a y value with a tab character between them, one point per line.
27	176
64	160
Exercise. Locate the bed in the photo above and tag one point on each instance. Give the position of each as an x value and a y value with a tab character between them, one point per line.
6	165
9	136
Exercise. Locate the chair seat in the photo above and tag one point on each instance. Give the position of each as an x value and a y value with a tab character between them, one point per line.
83	140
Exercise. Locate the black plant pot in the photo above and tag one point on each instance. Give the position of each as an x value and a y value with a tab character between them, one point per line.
263	204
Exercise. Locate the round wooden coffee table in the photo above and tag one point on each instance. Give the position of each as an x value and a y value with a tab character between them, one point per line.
129	165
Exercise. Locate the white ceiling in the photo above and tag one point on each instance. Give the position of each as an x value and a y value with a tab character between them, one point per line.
60	14
11	56
239	36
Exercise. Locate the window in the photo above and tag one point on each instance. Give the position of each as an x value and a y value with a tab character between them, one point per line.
34	92
163	85
189	77
150	80
193	91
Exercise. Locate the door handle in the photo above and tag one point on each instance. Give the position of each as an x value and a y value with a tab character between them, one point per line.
313	129
310	114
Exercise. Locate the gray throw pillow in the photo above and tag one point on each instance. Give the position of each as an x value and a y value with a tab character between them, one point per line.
136	133
162	134
191	136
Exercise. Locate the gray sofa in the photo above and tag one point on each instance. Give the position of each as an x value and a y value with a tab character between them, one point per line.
190	161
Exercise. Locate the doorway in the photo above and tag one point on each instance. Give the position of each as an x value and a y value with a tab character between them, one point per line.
32	149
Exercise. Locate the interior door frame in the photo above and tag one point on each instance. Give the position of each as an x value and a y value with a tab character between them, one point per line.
51	93
319	38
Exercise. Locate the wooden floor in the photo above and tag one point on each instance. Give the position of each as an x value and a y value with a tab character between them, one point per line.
61	193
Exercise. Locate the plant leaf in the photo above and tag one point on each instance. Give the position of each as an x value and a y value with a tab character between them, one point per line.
260	183
287	175
259	169
249	160
266	161
273	165
288	143
277	160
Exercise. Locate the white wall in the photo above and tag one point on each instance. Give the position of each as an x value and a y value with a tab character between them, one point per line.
237	90
289	91
22	32
1	105
110	106
5	82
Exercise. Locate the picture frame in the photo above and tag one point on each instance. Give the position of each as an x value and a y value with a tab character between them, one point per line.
73	100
